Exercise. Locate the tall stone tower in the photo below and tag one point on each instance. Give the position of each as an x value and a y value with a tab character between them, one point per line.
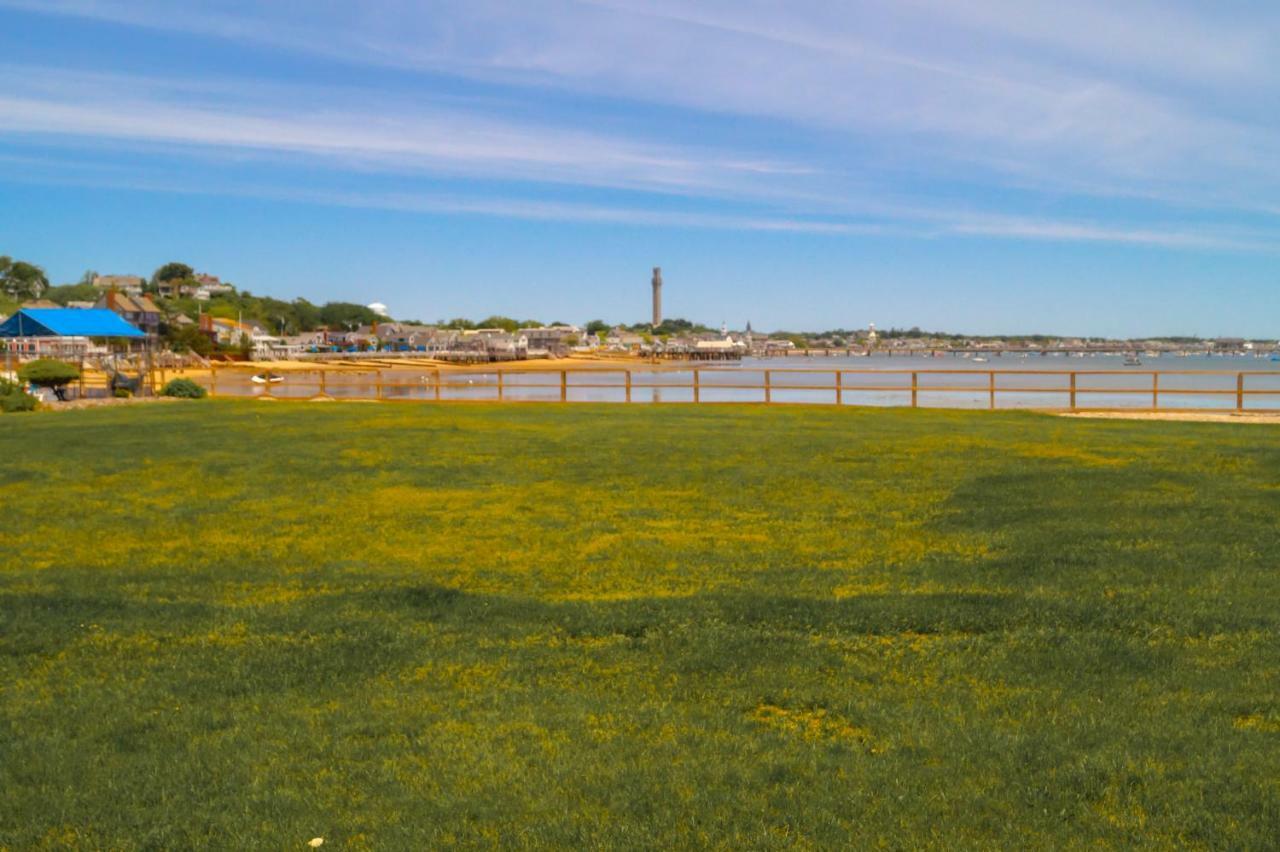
657	296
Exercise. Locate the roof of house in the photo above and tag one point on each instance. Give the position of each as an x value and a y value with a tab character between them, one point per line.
144	303
67	322
107	281
119	302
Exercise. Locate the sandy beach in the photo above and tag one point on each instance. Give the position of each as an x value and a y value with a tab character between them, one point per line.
1187	416
573	362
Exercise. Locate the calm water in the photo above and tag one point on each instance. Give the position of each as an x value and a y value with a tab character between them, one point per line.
876	380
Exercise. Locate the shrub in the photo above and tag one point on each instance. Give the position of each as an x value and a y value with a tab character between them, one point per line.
183	389
13	398
48	373
16	401
122	393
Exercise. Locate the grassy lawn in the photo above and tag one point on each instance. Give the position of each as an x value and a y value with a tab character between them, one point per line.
243	625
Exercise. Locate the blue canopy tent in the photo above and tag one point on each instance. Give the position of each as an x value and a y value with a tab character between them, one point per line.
66	322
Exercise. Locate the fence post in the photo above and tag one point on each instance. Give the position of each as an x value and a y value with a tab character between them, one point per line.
1155	390
564	386
1073	390
1239	391
697	387
768	390
437	384
915	389
628	385
378	386
499	386
991	388
839	388
213	378
323	374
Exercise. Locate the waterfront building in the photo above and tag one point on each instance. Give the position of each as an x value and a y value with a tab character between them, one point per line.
130	285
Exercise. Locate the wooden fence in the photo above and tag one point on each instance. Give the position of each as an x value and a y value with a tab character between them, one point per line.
1074	390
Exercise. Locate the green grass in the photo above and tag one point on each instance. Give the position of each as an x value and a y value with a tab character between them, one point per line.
242	625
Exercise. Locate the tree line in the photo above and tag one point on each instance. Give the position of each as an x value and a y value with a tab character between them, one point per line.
23	280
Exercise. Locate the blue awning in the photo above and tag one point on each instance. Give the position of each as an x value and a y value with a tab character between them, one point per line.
67	322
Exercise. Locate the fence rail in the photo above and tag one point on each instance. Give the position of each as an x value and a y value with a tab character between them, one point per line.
1075	390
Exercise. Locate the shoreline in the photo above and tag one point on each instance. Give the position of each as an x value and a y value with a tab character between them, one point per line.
1184	416
374	364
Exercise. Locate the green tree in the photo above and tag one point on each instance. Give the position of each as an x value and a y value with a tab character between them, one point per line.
49	373
64	293
306	316
188	338
172	271
504	323
674	325
596	326
347	315
21	280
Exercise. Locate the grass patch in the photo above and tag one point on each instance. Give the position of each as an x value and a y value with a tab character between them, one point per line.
244	625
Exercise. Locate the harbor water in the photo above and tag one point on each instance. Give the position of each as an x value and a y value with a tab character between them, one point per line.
948	381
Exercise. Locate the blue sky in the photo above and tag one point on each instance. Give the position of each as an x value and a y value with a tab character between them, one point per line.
975	165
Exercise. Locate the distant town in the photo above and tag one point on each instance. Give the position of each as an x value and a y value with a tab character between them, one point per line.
185	311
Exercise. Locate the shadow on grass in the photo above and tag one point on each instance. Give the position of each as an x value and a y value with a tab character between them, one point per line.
369	632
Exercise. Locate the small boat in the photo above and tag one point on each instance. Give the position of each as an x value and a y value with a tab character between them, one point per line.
267	379
1132	361
979	360
1275	357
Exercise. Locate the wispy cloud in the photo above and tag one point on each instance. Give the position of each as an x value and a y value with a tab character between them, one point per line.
343	126
1065	231
887	110
905	223
1144	96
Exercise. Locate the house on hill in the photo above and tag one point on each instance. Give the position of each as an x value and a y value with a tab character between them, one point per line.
138	310
130	285
208	286
230	333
